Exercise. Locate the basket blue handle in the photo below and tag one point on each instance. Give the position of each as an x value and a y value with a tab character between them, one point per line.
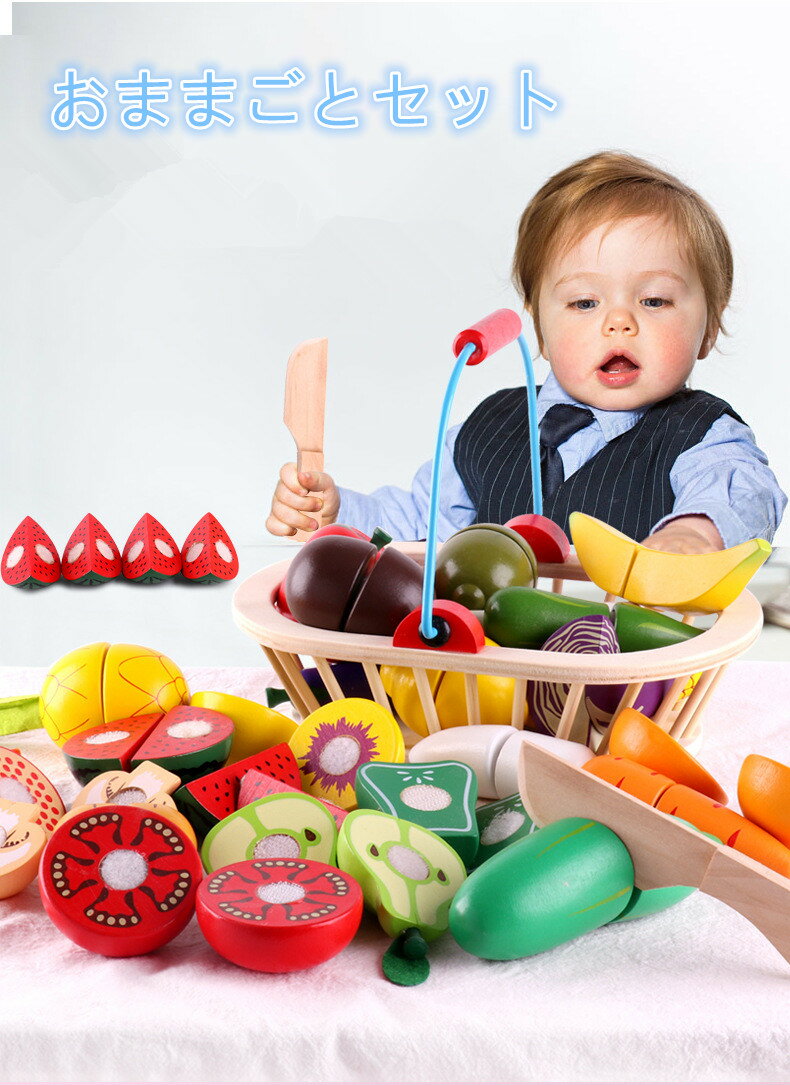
474	348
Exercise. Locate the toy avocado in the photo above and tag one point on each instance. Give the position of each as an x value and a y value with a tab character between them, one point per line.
481	559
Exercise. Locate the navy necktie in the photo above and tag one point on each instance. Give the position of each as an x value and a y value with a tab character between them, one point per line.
559	423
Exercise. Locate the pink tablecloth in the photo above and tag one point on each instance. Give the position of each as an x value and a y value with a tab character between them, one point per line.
693	994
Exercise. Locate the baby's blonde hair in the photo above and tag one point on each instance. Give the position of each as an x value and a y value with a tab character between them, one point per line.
608	187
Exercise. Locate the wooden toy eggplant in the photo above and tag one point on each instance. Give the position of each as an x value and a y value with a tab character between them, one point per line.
343	583
556	884
480	560
279	915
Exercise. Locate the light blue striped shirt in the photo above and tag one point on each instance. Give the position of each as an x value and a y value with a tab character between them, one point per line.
725	477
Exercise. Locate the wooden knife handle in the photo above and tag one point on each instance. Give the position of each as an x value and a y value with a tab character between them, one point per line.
309	461
754	890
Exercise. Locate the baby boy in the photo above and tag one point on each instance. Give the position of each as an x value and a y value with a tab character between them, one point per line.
626	273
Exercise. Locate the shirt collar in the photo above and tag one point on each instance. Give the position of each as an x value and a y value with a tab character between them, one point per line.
612	423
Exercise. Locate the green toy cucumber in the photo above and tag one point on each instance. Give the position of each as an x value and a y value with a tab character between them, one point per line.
560	882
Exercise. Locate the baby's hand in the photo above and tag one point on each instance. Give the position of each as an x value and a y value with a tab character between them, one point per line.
686	535
298	495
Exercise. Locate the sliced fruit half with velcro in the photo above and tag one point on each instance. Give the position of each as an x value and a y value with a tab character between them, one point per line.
30	559
22	782
150	553
408	874
109	747
90	556
22	841
213	797
208	553
144	784
290	825
188	741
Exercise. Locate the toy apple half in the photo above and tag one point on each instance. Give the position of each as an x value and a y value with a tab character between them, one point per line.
548	541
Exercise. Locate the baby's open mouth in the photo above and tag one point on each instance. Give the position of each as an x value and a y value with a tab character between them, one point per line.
619	364
618	370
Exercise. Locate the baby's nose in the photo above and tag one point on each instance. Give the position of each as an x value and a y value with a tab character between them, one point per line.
620	321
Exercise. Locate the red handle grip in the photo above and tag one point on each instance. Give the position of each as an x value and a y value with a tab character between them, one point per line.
489	334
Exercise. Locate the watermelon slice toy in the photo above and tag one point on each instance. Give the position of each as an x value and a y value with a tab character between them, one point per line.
107	747
188	741
211	798
208	553
90	555
30	559
150	553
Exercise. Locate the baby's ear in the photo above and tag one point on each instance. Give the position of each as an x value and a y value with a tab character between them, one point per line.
705	349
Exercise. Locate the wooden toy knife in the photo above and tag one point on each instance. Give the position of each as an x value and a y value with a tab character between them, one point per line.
305	399
664	850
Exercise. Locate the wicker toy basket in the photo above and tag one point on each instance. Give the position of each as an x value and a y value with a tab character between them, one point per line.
693	666
287	644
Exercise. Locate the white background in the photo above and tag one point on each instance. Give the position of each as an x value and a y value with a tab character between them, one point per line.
154	284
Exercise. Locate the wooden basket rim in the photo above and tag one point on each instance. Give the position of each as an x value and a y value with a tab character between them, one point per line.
735	629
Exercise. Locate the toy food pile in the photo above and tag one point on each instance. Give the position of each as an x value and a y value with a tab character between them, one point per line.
488	572
275	834
90	556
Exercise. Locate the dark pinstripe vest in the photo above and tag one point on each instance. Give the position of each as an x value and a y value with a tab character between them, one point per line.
626	484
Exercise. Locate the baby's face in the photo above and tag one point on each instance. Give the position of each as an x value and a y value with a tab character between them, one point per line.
623	315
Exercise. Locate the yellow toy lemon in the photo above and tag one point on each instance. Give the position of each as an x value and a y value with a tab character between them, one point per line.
99	683
449	693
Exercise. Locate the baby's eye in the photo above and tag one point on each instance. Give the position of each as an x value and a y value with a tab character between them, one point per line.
583	305
655	303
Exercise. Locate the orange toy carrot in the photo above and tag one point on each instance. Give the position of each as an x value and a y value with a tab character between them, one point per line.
764	795
637	780
635	736
729	827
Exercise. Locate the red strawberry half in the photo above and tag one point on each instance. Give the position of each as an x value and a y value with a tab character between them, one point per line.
209	553
30	559
90	556
150	553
